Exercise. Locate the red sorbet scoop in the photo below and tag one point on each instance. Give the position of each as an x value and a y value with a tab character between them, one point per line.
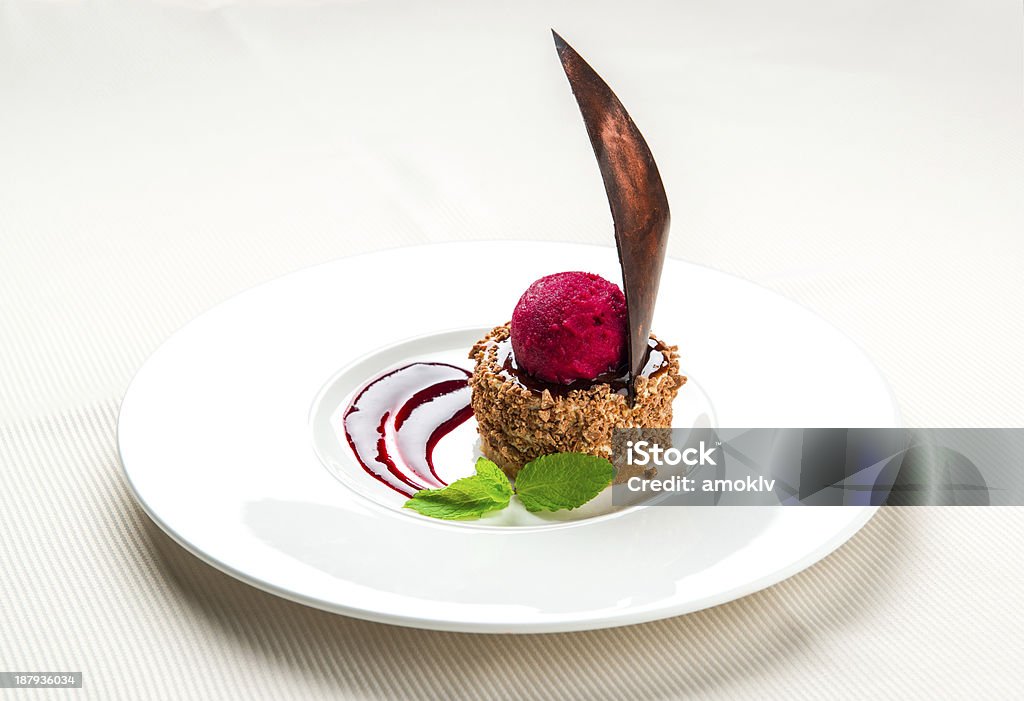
570	326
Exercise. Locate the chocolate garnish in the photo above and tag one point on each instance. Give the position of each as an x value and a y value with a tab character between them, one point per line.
635	193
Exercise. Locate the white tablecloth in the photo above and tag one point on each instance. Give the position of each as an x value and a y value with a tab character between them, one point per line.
864	158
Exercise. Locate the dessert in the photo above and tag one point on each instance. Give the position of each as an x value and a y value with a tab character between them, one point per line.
578	360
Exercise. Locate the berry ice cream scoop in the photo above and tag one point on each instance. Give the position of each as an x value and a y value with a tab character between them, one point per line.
570	326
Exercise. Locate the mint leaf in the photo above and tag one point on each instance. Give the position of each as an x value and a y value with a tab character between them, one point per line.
549	483
562	481
492	477
468	498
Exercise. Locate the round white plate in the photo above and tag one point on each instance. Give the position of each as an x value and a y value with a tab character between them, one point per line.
226	438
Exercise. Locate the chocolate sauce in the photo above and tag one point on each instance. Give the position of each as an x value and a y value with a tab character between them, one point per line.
619	381
395	421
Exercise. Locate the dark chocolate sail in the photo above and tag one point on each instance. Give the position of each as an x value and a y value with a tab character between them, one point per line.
635	193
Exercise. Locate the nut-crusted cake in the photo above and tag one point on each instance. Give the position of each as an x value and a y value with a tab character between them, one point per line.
521	417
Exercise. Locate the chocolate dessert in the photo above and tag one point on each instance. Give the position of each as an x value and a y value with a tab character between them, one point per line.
578	360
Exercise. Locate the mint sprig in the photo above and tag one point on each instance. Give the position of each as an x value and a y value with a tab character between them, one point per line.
468	498
548	483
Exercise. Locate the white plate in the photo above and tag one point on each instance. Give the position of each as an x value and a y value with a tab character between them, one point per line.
226	439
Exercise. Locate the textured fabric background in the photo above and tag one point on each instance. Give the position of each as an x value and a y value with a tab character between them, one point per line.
864	158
